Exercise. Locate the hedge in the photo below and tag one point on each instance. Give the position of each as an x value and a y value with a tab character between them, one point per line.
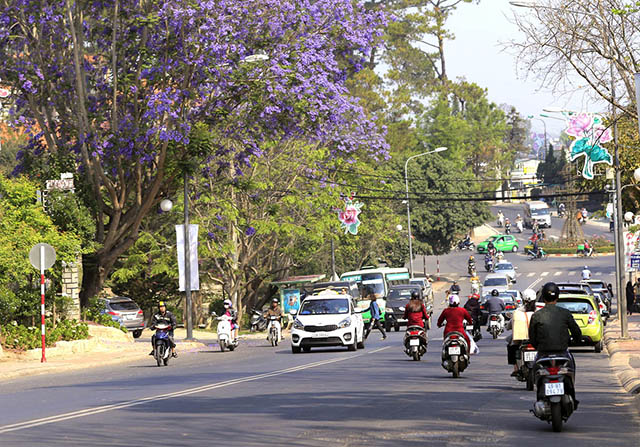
558	250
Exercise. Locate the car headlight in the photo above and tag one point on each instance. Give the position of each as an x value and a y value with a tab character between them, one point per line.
389	310
297	324
401	309
345	323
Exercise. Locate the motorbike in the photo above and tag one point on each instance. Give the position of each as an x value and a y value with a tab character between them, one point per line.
471	269
554	379
224	333
500	221
562	213
540	255
258	322
495	325
488	264
274	330
466	245
584	252
519	226
415	342
525	361
162	348
455	353
475	332
507	228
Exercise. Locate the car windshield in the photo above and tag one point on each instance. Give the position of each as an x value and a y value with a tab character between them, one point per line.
373	281
576	307
123	305
504	266
574	291
397	302
325	307
492	239
495	282
540	212
400	293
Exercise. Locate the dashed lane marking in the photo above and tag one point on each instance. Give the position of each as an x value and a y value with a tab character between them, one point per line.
530	274
557	274
543	274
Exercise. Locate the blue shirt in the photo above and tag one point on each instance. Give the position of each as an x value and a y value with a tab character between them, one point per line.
375	310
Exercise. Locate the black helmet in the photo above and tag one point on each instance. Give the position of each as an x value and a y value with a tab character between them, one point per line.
415	295
495	292
550	292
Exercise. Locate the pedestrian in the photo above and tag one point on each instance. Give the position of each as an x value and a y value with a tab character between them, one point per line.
637	292
374	309
610	289
630	298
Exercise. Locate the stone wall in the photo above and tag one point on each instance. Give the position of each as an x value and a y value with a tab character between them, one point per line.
71	287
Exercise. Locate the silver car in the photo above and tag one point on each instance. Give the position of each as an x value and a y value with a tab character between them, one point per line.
495	281
126	312
506	268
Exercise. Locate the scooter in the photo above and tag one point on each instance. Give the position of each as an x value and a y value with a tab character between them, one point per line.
519	226
455	353
224	333
274	330
500	221
540	255
525	361
474	331
495	326
488	265
554	378
162	348
507	228
415	342
466	245
471	269
258	322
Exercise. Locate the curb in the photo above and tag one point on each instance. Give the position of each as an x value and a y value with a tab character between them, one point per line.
628	377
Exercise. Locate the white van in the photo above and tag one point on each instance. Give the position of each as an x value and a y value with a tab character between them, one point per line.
537	211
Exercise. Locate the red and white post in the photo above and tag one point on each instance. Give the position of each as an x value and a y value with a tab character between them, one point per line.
437	269
44	359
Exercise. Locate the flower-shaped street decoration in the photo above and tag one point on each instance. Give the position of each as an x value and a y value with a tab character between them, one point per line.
589	134
349	216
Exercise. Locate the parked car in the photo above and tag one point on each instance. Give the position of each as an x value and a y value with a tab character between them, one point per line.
125	311
495	281
502	242
425	283
327	319
506	268
584	310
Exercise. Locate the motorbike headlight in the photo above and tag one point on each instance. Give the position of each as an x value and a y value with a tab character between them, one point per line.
297	324
389	310
345	323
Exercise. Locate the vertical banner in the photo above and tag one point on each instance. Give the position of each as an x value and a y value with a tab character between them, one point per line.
637	80
631	246
193	254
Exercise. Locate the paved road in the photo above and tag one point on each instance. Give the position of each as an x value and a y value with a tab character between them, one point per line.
264	396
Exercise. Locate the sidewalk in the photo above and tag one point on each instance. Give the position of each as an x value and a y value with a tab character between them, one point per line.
625	354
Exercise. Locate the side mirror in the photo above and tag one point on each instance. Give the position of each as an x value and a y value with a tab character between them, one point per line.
213	314
293	312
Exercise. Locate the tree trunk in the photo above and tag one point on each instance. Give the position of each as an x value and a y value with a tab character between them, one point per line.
94	272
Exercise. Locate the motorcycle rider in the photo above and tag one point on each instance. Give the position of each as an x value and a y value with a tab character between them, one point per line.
550	326
519	224
586	273
495	306
507	226
561	210
230	312
473	307
588	249
415	312
455	317
163	316
487	259
455	288
475	284
471	264
466	242
519	325
500	218
491	249
536	249
274	311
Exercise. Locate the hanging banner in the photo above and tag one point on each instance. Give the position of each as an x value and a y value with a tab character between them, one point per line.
193	254
589	134
631	243
349	216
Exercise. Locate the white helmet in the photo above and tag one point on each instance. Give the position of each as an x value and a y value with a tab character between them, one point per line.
227	303
454	300
586	268
529	295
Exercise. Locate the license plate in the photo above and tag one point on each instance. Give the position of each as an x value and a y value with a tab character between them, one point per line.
414	342
320	334
469	328
554	389
454	350
530	356
129	317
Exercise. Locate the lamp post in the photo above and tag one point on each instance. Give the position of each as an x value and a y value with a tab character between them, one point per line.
544	123
622	303
406	184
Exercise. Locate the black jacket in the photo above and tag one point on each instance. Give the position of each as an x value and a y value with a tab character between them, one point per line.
473	307
549	329
168	316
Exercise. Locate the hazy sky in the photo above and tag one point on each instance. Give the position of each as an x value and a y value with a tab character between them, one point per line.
477	55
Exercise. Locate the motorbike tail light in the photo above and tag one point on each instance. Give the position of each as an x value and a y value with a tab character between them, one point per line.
414	333
553	370
592	317
482	306
454	337
530	347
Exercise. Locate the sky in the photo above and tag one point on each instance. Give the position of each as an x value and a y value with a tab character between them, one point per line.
477	55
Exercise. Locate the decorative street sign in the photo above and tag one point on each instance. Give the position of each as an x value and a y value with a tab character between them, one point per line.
589	134
349	216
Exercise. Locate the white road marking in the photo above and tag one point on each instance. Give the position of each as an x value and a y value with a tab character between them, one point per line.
189	391
530	274
543	274
557	274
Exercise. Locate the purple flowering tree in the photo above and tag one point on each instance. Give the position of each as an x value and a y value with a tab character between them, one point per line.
118	86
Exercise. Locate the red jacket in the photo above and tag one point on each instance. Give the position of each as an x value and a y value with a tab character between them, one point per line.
416	318
455	317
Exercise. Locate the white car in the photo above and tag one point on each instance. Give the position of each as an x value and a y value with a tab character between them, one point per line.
506	268
495	281
327	319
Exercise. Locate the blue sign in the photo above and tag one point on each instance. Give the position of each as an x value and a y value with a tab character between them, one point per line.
635	261
397	276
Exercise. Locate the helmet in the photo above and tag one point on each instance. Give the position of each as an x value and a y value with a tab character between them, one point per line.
415	295
471	257
518	215
495	292
454	300
161	304
275	300
227	303
529	295
475	295
586	268
550	292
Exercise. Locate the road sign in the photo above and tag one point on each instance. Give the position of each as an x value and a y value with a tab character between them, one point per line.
635	261
42	260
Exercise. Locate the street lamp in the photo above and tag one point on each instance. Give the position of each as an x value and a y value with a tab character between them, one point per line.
622	303
545	133
406	184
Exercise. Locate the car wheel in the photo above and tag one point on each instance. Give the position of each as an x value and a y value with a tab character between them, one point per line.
361	344
397	327
306	349
295	349
514	249
352	347
137	334
598	347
